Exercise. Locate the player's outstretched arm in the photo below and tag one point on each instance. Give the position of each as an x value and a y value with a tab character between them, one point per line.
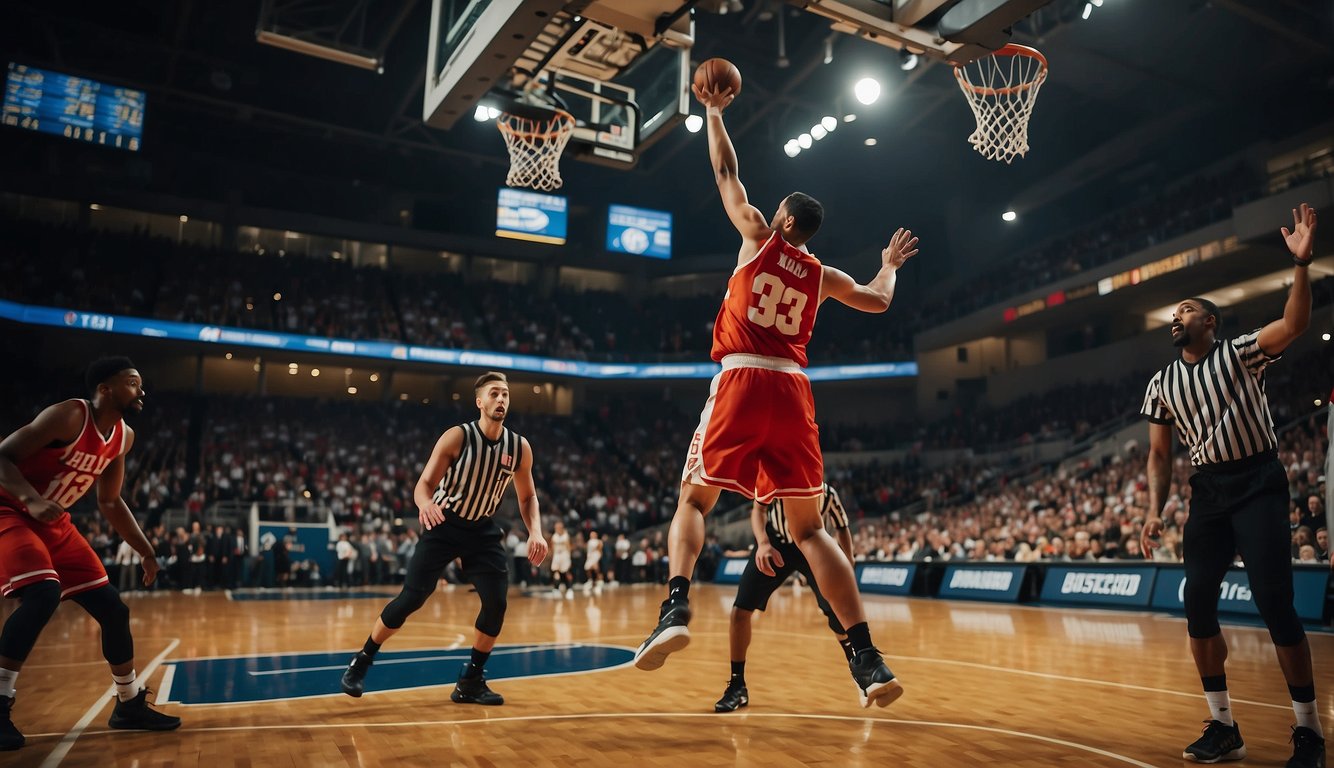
443	456
526	490
747	219
118	513
60	424
1275	337
876	295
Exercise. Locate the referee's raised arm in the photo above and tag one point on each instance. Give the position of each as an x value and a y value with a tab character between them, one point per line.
1275	337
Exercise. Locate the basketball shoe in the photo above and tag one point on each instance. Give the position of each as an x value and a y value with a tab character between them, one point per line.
354	677
10	738
1219	742
734	698
136	715
875	683
473	690
1308	749
670	636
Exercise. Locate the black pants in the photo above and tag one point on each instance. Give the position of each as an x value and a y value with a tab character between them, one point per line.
755	589
479	547
1240	507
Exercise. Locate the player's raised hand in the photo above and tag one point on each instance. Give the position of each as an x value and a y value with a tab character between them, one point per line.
537	549
1303	231
150	570
430	515
45	510
767	558
1148	538
902	246
711	97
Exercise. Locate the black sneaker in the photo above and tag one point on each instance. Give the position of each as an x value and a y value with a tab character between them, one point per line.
670	636
137	715
734	698
10	738
875	683
1219	742
355	675
473	690
1308	749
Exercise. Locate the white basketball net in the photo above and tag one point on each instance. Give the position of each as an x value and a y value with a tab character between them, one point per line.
535	147
1001	89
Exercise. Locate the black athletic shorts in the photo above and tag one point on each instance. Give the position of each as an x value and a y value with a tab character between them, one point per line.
479	544
755	589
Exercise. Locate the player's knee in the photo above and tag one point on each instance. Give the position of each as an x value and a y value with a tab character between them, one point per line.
403	606
39	601
741	615
1275	606
492	616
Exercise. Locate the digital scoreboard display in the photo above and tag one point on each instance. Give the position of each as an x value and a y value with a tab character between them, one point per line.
74	107
639	231
523	215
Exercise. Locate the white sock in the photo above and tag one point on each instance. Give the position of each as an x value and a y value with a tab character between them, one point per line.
1307	716
1220	706
7	679
125	687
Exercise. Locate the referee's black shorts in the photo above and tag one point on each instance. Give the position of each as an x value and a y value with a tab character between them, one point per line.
478	543
755	589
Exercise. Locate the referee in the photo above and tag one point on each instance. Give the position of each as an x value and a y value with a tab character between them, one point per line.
457	495
1214	394
776	557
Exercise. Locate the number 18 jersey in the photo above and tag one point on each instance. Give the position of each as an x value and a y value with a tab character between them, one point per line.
770	304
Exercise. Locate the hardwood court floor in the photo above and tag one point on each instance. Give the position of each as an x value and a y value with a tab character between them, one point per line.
986	684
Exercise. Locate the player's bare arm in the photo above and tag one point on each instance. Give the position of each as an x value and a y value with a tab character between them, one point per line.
526	490
1160	480
443	456
59	424
877	295
747	219
766	557
1275	337
118	513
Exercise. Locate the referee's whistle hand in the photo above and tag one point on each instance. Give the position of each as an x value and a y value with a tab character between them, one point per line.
430	515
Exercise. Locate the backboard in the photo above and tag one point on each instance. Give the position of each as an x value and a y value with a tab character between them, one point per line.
620	67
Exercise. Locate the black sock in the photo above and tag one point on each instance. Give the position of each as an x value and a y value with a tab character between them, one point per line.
678	589
739	670
846	645
859	637
370	648
475	665
1214	683
1302	693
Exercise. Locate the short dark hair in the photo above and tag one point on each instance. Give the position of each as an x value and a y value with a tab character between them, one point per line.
104	368
806	211
1209	308
487	378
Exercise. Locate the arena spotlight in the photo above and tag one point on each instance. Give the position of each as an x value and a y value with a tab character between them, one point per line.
314	371
184	219
829	123
908	60
352	390
1088	10
867	90
1324	337
479	114
869	142
804	140
694	123
792	149
849	118
818	132
1009	216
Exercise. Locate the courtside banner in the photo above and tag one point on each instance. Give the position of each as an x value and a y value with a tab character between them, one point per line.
1123	586
1000	583
730	569
1234	596
886	578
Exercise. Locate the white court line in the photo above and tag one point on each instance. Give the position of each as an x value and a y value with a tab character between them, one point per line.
67	742
410	660
662	715
164	687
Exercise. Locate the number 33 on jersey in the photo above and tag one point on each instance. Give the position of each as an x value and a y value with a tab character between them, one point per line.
771	304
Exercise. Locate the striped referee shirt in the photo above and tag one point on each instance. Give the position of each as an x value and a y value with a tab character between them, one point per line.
1217	404
473	484
831	508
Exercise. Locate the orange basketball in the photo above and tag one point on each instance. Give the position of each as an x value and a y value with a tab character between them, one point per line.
718	74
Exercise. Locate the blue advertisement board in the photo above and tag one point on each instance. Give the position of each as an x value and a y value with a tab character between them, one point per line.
639	231
1117	585
308	543
1234	595
523	215
730	570
886	578
999	583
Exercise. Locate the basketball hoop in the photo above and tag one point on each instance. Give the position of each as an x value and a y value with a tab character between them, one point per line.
1002	88
535	141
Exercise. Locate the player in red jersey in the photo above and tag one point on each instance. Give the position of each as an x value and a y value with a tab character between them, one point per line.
45	467
757	434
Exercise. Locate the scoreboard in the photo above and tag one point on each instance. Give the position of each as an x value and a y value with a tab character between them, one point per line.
74	107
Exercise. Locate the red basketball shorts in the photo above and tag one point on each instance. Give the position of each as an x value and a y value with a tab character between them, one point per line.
757	434
32	551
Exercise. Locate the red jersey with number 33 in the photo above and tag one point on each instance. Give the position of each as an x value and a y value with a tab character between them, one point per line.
770	304
64	474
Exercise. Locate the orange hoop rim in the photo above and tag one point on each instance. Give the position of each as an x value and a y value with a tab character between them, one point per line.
560	122
1010	49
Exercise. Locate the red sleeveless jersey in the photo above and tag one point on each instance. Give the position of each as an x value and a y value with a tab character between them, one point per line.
65	474
770	304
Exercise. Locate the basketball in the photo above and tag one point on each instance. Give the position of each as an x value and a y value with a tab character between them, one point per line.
718	74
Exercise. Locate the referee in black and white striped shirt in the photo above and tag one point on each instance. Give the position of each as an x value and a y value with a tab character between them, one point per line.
1214	395
470	467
